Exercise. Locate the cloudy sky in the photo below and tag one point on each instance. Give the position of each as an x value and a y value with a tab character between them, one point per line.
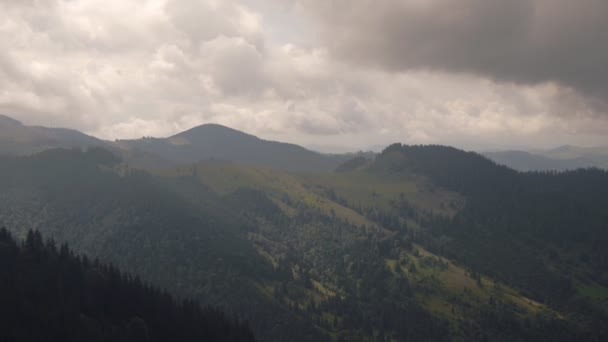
479	74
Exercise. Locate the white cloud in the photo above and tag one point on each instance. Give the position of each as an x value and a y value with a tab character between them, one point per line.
125	69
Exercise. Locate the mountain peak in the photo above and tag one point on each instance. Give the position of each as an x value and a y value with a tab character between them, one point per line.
211	129
217	142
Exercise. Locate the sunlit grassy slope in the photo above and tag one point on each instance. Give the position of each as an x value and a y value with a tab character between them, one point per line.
444	288
225	178
455	283
360	189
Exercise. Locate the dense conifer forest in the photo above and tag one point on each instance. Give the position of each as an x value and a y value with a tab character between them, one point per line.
49	293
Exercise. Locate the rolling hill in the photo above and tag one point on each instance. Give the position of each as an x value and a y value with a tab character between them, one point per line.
216	142
205	142
560	159
16	138
552	223
525	161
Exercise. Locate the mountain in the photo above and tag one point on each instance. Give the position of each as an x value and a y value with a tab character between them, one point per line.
16	138
597	156
415	243
361	253
558	159
570	152
525	161
19	139
539	232
216	142
51	294
172	232
205	142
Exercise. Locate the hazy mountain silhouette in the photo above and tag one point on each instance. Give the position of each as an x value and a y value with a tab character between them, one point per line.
598	155
217	142
525	161
205	142
17	138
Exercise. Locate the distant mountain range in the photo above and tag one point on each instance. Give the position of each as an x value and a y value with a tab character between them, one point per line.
16	138
216	142
205	142
526	161
559	159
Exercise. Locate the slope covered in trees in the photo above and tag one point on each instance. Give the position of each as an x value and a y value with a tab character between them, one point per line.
547	220
48	293
542	232
377	251
173	233
346	260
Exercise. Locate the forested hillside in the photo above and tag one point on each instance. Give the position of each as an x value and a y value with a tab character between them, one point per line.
553	223
193	246
542	232
353	235
48	293
422	243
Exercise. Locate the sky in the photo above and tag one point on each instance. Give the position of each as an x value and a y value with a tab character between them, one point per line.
335	75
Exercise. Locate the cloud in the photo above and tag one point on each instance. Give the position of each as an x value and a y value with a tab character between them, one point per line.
201	21
131	68
522	41
235	65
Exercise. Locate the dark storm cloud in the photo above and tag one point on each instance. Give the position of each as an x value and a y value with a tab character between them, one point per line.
521	41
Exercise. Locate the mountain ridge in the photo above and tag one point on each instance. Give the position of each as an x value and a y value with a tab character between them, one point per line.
218	142
421	243
17	138
559	159
204	142
212	141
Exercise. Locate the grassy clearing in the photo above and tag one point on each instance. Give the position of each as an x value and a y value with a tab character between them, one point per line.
225	178
456	282
439	306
